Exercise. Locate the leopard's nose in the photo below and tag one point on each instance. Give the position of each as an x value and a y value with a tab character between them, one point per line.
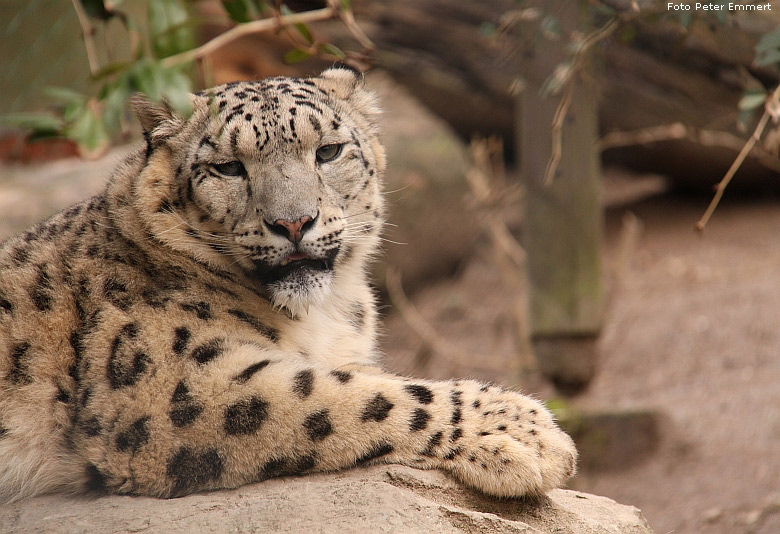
292	230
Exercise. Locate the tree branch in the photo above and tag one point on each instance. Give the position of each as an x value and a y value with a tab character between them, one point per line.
563	107
770	111
348	18
721	187
87	31
247	28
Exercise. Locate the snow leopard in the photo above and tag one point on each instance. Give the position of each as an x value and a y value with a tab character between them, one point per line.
207	321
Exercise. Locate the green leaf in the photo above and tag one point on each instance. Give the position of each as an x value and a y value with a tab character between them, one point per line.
346	4
551	27
64	95
244	10
487	29
261	6
111	69
115	102
295	56
71	103
555	81
135	31
767	57
303	29
88	131
686	17
161	84
769	41
145	78
176	91
333	50
237	9
169	27
39	135
744	118
558	406
33	121
751	100
73	110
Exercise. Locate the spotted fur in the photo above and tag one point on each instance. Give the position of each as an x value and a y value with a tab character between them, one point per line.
206	321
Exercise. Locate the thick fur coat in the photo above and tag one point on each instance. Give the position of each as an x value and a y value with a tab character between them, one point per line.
207	322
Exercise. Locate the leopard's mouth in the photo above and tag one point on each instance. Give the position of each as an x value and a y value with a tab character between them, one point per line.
288	267
293	266
292	258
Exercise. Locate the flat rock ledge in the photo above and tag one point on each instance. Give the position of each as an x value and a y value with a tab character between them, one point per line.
379	499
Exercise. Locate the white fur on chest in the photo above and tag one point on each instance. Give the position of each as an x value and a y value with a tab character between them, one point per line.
328	333
328	340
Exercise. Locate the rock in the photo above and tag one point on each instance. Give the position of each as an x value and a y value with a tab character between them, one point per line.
377	499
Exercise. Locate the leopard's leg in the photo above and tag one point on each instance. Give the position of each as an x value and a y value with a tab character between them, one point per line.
215	426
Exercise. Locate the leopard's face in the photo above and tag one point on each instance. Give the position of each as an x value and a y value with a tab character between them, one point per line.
279	179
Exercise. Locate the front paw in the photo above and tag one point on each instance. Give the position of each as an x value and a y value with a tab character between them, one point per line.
511	445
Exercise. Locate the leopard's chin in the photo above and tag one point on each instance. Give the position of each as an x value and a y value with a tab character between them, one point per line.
300	288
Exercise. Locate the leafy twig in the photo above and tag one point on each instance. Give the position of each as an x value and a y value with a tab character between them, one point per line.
563	106
248	28
770	111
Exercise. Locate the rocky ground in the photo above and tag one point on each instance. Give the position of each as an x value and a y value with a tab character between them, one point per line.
380	499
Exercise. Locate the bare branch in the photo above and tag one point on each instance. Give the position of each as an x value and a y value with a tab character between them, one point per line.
509	254
557	134
348	18
721	187
479	182
88	32
678	131
420	325
652	134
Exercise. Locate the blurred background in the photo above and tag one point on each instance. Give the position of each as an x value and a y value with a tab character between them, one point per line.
551	164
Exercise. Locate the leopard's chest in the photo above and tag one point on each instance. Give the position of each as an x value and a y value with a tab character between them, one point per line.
329	337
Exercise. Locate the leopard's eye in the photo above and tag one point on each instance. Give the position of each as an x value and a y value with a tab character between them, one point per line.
231	168
328	153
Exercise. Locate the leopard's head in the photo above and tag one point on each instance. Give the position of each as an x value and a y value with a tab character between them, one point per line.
278	180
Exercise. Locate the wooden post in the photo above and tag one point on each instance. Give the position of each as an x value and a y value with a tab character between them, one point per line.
563	218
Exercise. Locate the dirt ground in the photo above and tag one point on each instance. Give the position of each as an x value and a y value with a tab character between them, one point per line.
692	330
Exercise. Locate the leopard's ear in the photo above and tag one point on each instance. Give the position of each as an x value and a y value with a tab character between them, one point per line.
345	83
158	120
340	81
